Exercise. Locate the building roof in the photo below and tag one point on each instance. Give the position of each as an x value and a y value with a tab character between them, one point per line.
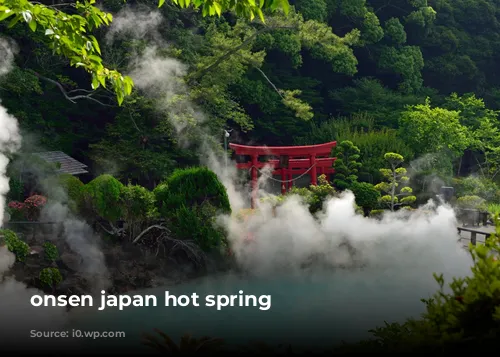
68	164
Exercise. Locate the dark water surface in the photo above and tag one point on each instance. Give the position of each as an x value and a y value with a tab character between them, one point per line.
320	309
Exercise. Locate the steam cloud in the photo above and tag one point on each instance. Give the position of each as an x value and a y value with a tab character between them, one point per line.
16	311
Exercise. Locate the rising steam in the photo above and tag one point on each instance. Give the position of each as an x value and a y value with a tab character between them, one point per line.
15	309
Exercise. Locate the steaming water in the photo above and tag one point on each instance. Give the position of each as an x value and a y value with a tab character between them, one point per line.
318	310
315	306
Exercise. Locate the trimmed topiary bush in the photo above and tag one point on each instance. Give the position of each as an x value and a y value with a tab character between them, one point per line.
195	186
103	196
138	203
191	199
471	202
477	186
50	277
198	224
51	251
73	188
367	196
161	195
14	244
377	213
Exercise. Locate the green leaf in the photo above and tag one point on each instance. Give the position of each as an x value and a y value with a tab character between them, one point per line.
102	80
95	44
95	82
160	3
286	6
32	24
95	58
5	14
14	21
261	15
218	8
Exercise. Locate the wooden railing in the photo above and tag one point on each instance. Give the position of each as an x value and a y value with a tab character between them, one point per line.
473	233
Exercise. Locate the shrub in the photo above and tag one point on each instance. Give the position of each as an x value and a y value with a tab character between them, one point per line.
477	186
14	244
198	224
16	189
190	199
138	203
377	213
471	202
194	186
367	196
33	206
103	196
161	195
315	196
16	211
73	188
50	277
51	251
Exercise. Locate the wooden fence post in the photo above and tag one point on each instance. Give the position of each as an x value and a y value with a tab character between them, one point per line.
473	238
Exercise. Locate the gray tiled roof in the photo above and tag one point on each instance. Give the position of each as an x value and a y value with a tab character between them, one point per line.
68	164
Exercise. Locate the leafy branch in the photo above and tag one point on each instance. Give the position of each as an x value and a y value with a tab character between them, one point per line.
69	35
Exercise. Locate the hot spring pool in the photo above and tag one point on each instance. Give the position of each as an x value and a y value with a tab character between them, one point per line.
320	310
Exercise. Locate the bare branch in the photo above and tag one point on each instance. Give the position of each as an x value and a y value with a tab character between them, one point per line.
189	246
157	226
74	98
80	90
268	81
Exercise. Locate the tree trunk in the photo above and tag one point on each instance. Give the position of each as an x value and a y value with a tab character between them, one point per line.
393	189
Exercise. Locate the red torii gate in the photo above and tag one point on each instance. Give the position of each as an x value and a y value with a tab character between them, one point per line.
293	160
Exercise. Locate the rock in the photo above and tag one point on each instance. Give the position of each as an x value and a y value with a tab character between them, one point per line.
74	285
6	217
72	261
36	250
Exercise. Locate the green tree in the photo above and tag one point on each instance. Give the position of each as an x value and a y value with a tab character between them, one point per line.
395	184
69	35
346	165
434	130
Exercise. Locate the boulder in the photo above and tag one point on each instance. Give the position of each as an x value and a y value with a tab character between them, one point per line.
72	261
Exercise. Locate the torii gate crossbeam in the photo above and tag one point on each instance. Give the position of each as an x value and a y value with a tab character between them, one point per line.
293	160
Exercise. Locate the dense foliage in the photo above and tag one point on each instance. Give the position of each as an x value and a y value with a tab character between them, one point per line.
14	244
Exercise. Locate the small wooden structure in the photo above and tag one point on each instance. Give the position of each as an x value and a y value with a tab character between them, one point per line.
68	165
289	161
